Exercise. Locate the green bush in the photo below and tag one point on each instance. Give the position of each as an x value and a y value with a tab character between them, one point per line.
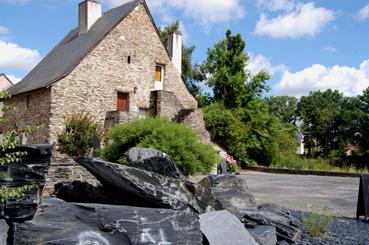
317	224
77	138
176	140
250	133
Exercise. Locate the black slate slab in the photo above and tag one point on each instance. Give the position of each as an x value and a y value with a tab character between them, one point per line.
59	222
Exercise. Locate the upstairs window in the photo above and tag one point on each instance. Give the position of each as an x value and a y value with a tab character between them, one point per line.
159	73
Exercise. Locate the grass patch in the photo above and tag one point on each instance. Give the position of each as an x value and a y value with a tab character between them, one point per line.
318	164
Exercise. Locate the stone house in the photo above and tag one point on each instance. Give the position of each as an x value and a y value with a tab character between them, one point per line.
113	66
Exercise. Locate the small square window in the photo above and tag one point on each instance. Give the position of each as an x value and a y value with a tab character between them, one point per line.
159	73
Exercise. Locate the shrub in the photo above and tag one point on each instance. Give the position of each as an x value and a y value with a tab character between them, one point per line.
250	133
77	138
176	140
317	224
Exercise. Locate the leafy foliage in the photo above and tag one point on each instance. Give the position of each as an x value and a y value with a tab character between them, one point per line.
77	138
8	156
176	140
317	224
250	132
284	107
230	81
237	117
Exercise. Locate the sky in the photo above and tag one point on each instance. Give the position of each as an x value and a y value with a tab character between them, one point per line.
305	45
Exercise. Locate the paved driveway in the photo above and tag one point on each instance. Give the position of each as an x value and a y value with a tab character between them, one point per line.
333	195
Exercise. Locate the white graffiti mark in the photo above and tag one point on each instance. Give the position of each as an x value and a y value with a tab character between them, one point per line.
92	238
147	236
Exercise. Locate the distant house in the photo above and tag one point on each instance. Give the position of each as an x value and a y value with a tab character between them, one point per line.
113	66
5	82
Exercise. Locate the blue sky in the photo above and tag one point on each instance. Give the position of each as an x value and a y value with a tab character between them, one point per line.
304	45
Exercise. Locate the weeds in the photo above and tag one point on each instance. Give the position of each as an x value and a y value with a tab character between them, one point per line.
317	224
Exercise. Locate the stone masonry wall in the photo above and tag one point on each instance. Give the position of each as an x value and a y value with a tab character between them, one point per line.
93	85
31	109
195	120
66	169
168	104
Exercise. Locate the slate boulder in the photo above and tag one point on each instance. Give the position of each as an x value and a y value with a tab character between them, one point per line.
154	161
59	222
147	188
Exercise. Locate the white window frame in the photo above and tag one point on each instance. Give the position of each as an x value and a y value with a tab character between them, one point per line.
162	72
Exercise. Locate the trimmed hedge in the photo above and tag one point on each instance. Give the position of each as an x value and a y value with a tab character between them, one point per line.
176	140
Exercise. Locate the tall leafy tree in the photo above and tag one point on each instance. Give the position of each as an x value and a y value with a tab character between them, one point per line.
323	124
284	107
363	121
240	119
231	83
189	74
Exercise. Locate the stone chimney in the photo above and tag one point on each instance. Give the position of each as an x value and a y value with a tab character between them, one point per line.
89	12
175	49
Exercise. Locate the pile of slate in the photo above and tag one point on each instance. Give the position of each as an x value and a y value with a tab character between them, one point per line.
149	201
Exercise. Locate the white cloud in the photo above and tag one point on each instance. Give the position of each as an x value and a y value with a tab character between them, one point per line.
14	57
261	63
305	20
349	80
364	12
329	49
204	12
3	30
275	5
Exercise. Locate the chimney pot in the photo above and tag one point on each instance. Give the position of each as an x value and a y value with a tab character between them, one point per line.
89	12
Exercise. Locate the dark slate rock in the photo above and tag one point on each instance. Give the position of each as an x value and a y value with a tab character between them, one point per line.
31	171
285	229
264	235
3	232
58	222
150	189
204	196
83	192
230	192
22	208
221	227
154	161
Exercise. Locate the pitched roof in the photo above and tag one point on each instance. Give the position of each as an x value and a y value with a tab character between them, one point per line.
71	51
7	78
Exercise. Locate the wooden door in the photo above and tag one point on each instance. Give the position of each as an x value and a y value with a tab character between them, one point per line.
122	102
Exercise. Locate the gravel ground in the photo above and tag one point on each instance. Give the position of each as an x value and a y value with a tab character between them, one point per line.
345	231
329	195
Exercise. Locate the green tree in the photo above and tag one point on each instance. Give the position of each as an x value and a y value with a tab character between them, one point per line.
284	107
240	119
363	122
231	83
323	124
189	74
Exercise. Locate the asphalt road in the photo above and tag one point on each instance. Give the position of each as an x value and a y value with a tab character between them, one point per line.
330	195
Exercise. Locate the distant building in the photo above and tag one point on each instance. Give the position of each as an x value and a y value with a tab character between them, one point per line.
5	82
113	66
300	140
